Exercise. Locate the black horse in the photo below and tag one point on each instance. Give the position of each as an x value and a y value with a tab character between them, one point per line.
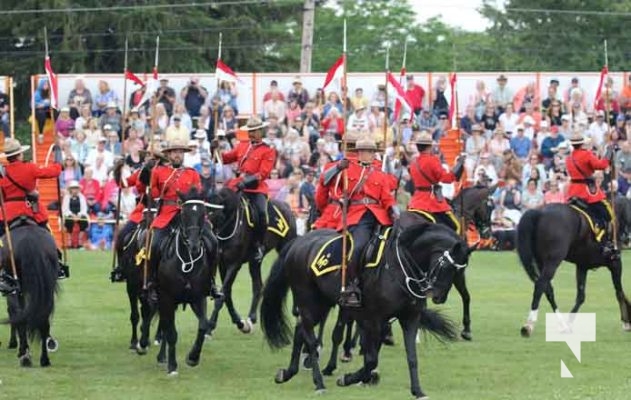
237	247
188	259
419	261
127	252
472	205
30	308
543	246
622	207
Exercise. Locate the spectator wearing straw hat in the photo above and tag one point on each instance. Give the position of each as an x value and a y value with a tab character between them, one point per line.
74	208
111	117
298	93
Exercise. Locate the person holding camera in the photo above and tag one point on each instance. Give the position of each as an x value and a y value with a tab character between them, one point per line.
194	96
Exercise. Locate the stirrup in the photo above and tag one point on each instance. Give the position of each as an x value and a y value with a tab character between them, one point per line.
351	297
259	254
116	275
63	272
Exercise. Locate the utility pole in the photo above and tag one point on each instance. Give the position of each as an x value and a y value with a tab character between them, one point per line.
308	16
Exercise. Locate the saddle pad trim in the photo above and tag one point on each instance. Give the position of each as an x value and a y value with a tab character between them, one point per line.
319	259
589	221
282	227
382	246
425	214
248	216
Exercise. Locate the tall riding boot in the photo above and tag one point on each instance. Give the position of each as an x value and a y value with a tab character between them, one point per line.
351	296
607	246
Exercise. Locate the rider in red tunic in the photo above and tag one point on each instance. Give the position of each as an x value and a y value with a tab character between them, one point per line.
255	160
370	204
136	180
427	174
166	182
19	188
580	166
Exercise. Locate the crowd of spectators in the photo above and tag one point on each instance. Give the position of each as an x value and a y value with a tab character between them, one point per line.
510	135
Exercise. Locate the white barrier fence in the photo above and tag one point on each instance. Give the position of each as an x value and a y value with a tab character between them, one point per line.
255	85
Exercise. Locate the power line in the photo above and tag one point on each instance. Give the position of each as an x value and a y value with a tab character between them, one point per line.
148	7
569	12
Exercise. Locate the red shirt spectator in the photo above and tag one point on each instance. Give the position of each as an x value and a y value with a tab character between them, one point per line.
415	94
273	88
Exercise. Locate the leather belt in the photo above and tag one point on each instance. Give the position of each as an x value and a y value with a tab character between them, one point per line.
170	203
15	199
365	201
586	181
424	188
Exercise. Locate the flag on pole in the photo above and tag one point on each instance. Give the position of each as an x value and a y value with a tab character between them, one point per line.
336	73
132	77
397	103
453	80
151	86
603	77
399	92
52	81
225	73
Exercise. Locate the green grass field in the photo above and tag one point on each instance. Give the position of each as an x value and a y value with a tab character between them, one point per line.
93	362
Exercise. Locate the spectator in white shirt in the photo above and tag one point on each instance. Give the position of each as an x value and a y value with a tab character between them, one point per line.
358	121
108	157
275	105
509	119
192	158
598	128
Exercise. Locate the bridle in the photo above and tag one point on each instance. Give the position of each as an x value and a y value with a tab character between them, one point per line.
424	280
187	266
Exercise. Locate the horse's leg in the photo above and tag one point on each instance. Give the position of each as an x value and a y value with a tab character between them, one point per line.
167	322
541	286
147	313
461	286
349	342
370	343
134	316
625	308
199	308
44	332
162	353
410	327
312	345
283	375
243	325
581	279
257	286
306	363
13	340
336	338
228	274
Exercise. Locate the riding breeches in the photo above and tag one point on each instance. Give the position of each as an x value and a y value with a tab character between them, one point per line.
361	233
259	201
157	237
602	212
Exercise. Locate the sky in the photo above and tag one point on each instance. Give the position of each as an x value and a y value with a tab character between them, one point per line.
457	13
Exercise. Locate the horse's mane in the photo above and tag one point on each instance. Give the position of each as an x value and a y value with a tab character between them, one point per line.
228	198
192	194
430	232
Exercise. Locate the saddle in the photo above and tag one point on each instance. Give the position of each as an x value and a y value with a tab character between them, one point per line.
329	256
276	221
583	209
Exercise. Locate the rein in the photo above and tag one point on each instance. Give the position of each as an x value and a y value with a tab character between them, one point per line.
427	279
237	222
187	266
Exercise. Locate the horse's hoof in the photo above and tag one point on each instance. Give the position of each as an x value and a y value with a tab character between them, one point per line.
245	326
320	391
374	378
422	397
192	363
328	371
280	376
466	335
52	345
526	331
388	340
341	381
172	373
141	351
161	359
25	361
157	342
44	363
346	358
626	326
132	346
252	319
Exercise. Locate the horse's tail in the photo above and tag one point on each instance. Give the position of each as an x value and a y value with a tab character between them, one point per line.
439	326
273	319
38	283
526	242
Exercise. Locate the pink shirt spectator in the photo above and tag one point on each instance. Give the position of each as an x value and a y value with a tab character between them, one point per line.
64	126
550	198
91	189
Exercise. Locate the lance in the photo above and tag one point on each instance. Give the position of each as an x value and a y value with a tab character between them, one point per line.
612	194
123	126
216	156
345	198
154	127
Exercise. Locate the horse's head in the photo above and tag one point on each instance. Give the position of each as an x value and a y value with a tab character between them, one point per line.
192	219
478	207
225	198
435	254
